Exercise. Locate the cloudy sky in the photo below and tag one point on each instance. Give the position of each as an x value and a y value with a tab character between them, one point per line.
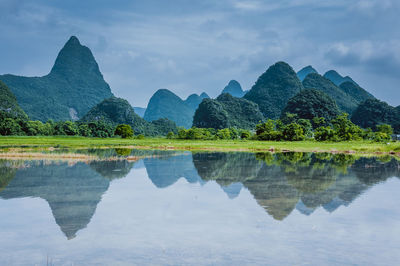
195	46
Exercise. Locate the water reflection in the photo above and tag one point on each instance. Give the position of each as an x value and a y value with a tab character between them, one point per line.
279	182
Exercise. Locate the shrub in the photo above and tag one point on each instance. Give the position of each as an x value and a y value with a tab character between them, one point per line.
125	131
381	137
140	136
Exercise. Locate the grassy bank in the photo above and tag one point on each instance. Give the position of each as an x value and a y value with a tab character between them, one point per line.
214	145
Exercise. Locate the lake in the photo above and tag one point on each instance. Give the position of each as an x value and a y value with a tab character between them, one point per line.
203	208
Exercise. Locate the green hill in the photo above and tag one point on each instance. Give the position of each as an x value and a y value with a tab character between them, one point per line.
8	104
194	100
166	104
227	111
345	102
118	111
373	112
234	89
302	74
74	85
338	79
355	91
310	103
274	88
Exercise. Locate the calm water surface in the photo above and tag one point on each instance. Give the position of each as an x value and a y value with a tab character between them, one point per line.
179	208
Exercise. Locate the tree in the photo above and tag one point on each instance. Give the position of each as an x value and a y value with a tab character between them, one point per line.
385	128
170	135
345	129
293	132
84	130
324	134
9	126
224	133
245	134
125	131
269	130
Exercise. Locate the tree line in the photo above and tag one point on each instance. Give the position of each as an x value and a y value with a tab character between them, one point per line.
288	128
291	128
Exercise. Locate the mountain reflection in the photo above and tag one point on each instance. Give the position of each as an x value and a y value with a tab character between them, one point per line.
279	182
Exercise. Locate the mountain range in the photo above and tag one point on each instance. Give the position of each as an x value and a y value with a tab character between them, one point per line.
75	85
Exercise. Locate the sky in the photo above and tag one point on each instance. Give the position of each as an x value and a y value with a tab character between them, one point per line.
191	46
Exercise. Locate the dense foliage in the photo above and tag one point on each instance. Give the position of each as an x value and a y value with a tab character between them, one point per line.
310	103
73	86
355	91
211	133
274	88
8	104
373	112
116	111
234	89
227	111
345	102
166	104
342	129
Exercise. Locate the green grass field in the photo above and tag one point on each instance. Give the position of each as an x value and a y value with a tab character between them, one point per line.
216	145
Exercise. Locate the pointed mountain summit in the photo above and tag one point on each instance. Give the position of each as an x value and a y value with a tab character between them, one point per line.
338	79
234	89
274	88
75	58
302	74
74	85
204	95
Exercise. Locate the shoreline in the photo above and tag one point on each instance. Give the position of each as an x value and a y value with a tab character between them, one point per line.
34	144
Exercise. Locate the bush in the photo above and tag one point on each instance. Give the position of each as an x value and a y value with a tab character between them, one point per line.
125	131
140	136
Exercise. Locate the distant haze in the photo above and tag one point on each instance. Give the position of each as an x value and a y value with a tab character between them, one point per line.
199	46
